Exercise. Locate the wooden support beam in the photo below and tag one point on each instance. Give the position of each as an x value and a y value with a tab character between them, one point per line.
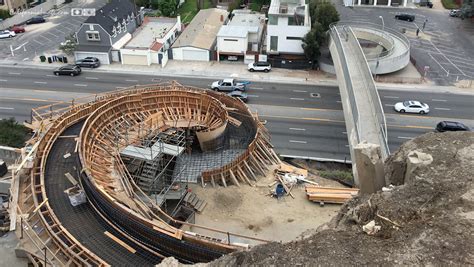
234	179
212	181
40	205
120	242
250	170
244	175
223	180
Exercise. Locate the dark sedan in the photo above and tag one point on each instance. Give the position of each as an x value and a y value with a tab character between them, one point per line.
71	70
239	94
35	20
405	16
88	62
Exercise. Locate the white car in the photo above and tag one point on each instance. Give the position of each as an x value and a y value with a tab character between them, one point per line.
259	66
412	107
7	34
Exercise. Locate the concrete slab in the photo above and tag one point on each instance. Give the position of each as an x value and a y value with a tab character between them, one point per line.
8	243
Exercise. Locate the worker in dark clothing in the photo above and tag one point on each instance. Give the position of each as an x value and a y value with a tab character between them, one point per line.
417	31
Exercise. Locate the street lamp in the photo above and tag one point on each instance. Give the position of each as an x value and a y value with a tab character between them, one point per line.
383	23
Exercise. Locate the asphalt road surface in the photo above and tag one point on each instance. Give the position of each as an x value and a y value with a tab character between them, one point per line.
305	121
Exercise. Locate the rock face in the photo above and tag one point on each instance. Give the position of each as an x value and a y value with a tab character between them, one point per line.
427	219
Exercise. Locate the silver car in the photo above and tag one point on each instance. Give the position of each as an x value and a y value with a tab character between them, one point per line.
228	85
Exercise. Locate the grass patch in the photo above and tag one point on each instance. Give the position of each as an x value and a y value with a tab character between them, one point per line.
255	6
345	176
449	4
189	9
13	134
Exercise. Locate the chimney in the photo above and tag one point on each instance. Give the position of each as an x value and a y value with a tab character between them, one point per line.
222	18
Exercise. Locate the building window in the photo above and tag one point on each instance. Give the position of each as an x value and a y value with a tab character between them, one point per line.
231	40
294	38
93	36
273	43
272	20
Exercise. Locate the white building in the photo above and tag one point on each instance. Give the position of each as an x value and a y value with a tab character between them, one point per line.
151	42
288	22
242	35
198	40
378	2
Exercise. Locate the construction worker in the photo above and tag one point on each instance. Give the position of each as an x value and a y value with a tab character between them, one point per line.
417	31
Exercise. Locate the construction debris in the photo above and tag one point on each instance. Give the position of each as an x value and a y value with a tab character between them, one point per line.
370	228
76	195
67	155
329	194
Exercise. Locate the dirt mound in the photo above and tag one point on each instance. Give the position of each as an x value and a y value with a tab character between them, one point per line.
427	219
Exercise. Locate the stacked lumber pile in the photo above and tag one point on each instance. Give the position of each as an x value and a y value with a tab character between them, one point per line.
330	194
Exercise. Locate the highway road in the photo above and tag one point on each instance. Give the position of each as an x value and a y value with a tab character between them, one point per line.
304	120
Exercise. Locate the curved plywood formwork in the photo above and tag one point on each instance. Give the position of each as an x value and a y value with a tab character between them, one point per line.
115	120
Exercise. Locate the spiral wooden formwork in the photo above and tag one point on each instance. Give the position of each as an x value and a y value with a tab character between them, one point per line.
155	107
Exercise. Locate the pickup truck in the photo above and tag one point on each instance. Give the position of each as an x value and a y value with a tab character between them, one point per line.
229	85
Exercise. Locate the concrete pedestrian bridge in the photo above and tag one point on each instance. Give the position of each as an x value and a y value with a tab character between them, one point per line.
385	49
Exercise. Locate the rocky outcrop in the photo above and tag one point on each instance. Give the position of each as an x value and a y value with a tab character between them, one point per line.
426	219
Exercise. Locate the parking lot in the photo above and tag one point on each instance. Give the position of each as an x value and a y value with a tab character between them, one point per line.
45	37
443	49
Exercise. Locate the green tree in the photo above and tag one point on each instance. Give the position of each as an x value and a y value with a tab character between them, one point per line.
467	9
69	45
142	3
12	134
4	14
312	43
168	8
326	14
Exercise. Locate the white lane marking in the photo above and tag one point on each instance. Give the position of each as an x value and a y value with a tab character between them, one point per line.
439	100
6	108
295	98
79	84
26	58
257	88
92	78
347	145
300	91
297	129
41	82
393	97
344	132
3	80
51	75
252	96
133	81
404	137
14	73
339	101
443	108
296	141
389	105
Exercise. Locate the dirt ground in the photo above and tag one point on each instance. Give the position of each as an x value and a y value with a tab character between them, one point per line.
426	219
250	211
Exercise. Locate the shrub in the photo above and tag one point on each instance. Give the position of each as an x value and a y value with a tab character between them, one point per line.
345	176
12	134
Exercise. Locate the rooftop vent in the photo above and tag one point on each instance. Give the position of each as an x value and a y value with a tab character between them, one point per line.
283	8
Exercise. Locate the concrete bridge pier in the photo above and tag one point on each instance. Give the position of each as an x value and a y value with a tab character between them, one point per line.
369	167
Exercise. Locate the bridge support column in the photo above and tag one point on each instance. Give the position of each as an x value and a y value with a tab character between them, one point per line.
389	3
358	2
369	166
375	2
404	2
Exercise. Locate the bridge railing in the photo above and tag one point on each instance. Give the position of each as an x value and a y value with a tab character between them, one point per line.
371	91
354	111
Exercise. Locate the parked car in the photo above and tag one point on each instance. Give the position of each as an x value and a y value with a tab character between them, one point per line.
17	29
239	94
35	20
72	70
412	106
455	13
88	62
7	34
228	85
404	16
259	66
451	126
